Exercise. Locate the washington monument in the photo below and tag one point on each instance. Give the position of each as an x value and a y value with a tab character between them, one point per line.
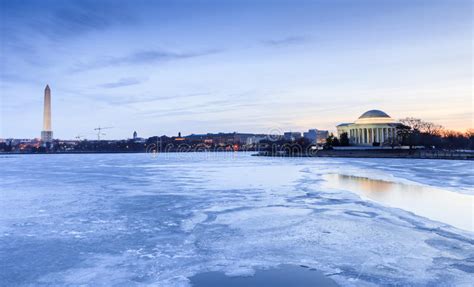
47	133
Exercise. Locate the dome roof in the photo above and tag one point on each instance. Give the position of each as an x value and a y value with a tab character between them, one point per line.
374	114
374	117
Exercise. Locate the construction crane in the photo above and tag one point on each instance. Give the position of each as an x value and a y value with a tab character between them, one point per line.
83	136
99	131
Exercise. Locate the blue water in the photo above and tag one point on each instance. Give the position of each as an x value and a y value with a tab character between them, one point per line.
283	276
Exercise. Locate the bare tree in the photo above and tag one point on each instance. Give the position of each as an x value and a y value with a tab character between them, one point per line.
431	128
413	123
418	132
470	133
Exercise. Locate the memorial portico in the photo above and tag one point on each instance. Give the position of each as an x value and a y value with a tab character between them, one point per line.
374	127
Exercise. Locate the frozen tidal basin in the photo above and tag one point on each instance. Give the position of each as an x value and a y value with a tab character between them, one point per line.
135	220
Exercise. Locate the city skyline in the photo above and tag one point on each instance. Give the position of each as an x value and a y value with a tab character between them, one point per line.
239	66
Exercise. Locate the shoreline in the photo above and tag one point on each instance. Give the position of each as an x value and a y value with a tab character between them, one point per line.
402	154
398	154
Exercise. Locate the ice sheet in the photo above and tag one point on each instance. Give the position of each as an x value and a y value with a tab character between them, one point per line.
140	220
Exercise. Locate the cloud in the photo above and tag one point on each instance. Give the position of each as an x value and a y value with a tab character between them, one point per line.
292	40
142	57
202	107
121	83
27	27
140	99
10	77
60	19
157	55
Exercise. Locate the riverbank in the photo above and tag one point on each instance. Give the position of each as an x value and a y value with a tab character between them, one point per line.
346	153
123	152
379	153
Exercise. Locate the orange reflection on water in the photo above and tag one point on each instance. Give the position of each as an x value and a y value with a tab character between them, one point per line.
449	207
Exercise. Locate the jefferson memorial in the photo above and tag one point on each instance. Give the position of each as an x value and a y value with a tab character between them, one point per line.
373	127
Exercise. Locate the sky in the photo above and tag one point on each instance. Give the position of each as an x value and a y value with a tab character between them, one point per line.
163	67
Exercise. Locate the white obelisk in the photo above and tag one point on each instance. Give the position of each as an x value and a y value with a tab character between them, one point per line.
47	133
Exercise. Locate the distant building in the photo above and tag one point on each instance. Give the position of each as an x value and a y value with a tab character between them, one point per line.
179	138
22	145
137	139
255	139
221	138
291	136
47	133
373	127
316	136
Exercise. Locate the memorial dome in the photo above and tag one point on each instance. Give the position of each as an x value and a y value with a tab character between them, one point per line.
374	114
374	117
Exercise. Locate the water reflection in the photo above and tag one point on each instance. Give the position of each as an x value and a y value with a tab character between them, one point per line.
441	205
283	276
